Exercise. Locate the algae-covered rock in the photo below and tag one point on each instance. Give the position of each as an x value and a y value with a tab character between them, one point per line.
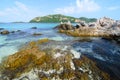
4	32
49	63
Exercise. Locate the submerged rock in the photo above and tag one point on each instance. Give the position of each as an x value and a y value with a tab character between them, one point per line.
36	34
34	28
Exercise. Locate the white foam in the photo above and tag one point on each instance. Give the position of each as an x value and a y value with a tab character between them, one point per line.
72	65
57	55
65	48
76	54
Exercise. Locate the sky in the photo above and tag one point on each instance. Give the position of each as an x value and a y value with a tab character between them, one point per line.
25	10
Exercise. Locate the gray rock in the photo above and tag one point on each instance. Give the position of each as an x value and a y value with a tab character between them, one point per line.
37	34
34	28
83	24
64	27
92	24
105	22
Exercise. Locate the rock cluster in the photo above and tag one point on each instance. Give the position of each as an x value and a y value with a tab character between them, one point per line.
104	27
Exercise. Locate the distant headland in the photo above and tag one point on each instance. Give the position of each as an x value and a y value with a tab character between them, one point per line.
56	18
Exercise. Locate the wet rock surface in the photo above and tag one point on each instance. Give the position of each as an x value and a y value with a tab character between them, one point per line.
39	60
104	52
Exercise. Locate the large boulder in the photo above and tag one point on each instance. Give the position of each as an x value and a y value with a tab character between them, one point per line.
4	32
64	27
106	22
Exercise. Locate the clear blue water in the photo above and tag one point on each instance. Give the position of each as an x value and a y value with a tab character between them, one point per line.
22	26
9	44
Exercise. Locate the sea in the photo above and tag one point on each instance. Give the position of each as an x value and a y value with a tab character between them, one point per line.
9	44
105	52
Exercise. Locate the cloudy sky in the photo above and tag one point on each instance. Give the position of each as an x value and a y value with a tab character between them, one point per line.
25	10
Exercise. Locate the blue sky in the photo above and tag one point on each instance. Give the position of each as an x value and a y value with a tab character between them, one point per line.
25	10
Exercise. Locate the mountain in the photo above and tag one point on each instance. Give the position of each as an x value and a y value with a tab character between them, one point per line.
59	18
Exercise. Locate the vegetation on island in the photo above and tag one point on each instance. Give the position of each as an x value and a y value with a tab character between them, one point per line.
57	18
87	20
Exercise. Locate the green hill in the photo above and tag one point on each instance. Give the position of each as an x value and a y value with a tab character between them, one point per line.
87	20
54	18
57	18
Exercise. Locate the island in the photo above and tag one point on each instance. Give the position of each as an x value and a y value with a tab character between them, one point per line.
57	18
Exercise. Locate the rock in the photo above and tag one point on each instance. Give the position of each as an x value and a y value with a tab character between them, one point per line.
118	23
37	34
33	63
92	24
64	27
88	70
77	26
12	31
18	30
83	24
34	28
105	22
4	32
1	28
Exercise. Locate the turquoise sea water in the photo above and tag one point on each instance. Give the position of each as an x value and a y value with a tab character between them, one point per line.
9	44
22	26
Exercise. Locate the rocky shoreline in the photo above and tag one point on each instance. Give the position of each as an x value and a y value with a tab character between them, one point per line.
57	60
103	27
39	60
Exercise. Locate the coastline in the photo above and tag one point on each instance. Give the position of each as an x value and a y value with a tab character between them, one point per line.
61	42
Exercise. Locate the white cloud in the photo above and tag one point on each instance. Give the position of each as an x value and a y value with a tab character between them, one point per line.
21	6
80	6
65	10
19	11
113	8
87	5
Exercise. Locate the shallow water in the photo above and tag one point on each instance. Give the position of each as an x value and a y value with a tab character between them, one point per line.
9	44
104	52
